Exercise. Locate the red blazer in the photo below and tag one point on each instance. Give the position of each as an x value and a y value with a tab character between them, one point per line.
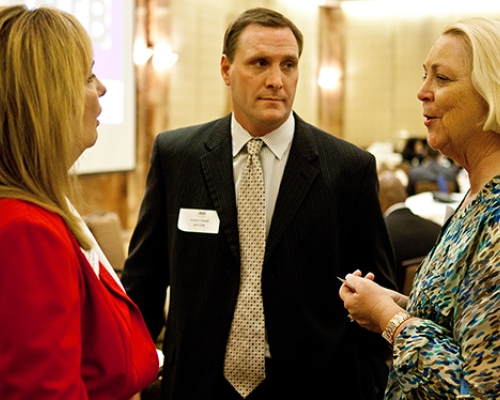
65	333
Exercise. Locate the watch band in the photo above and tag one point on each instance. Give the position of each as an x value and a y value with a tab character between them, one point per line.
394	323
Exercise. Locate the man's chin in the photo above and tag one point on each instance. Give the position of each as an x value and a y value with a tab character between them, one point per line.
275	116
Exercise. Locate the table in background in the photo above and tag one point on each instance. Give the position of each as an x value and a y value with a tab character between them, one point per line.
424	205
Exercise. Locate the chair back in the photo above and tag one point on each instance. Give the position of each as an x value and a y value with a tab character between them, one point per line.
410	267
107	230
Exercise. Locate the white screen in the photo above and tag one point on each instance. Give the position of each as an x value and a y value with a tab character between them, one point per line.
110	25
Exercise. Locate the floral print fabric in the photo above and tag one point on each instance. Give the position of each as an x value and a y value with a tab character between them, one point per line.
456	294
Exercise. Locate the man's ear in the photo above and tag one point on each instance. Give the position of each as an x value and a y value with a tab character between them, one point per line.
225	67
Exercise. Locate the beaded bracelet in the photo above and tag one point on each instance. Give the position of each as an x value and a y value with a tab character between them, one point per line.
394	324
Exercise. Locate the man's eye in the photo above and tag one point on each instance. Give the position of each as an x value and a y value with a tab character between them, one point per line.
259	63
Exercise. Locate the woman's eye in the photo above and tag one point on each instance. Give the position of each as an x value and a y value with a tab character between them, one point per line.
91	78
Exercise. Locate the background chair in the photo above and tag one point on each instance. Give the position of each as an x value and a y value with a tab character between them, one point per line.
410	267
107	230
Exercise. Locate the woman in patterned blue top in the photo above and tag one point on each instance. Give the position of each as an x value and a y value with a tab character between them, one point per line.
446	335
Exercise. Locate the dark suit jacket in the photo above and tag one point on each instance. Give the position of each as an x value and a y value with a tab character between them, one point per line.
327	222
411	236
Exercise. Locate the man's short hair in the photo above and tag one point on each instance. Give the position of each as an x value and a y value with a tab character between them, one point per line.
258	16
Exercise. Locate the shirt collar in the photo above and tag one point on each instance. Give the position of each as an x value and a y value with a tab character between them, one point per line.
394	207
277	141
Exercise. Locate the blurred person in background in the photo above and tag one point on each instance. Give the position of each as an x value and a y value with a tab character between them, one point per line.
411	235
433	168
413	151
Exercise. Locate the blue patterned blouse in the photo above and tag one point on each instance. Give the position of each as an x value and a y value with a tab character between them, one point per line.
457	296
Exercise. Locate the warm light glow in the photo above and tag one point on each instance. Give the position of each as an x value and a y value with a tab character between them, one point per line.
163	57
329	78
142	54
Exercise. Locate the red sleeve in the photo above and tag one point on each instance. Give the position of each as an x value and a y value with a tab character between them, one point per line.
40	313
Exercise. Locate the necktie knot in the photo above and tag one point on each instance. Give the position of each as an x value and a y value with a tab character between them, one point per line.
254	146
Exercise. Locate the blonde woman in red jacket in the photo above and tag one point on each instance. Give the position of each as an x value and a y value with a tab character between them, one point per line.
69	331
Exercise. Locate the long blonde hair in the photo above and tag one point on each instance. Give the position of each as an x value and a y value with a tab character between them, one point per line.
45	57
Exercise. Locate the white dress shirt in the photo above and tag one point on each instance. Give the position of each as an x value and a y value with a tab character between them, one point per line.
273	157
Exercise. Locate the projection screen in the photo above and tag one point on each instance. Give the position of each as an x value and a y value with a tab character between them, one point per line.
110	25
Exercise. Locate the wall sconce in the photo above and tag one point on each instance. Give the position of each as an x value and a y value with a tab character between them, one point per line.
163	57
142	53
329	78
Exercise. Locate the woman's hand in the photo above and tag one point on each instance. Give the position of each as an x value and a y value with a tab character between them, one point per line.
400	299
369	304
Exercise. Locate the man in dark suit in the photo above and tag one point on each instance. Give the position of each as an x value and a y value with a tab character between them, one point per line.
411	235
323	220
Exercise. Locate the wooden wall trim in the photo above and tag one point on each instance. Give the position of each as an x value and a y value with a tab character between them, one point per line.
122	192
331	55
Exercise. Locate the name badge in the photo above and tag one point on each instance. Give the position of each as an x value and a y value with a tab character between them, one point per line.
199	221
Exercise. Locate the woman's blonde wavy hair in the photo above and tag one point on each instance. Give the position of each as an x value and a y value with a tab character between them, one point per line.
45	58
482	40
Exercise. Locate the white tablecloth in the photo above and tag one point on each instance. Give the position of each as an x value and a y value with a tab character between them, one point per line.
423	204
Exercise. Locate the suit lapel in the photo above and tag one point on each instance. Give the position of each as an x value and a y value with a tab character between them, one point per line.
217	168
299	174
298	177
